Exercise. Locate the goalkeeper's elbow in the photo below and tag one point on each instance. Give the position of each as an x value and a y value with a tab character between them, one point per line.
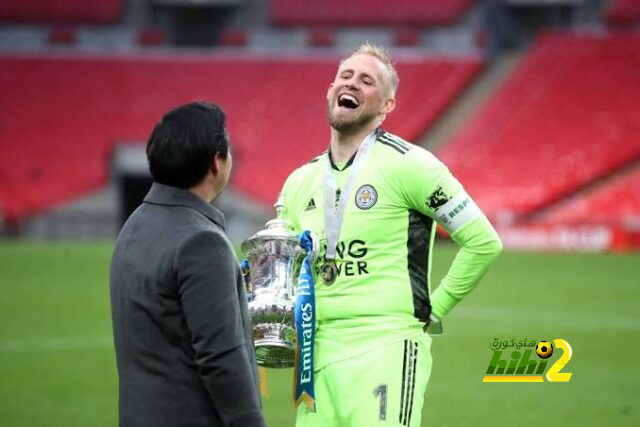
489	247
495	248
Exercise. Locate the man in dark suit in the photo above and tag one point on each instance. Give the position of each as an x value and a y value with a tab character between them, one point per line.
181	327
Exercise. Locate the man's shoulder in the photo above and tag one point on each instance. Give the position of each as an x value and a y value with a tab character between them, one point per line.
398	151
312	164
315	159
303	172
393	144
168	223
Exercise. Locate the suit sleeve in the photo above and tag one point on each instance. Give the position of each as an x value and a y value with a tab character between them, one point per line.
208	291
432	190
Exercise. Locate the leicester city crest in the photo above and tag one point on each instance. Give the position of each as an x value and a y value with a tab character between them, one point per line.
366	196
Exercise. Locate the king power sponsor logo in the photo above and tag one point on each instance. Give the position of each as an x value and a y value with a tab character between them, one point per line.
527	360
355	249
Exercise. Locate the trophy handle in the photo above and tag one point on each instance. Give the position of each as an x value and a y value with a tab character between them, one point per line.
297	265
315	239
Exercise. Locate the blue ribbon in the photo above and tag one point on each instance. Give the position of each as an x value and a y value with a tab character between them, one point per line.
305	317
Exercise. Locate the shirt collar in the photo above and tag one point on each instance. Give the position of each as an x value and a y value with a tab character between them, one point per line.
161	194
377	132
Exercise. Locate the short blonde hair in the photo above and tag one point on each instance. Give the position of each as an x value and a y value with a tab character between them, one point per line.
379	52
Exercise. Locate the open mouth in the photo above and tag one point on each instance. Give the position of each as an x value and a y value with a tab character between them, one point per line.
348	101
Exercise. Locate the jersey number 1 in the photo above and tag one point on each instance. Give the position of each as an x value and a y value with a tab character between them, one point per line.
381	391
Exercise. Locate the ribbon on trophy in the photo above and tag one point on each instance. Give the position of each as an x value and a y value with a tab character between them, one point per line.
305	318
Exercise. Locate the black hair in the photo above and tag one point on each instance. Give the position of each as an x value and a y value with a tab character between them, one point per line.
182	146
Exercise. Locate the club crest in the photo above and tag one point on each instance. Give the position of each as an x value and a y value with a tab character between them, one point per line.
366	196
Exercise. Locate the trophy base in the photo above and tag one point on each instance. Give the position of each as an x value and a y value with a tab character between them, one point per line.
275	356
275	345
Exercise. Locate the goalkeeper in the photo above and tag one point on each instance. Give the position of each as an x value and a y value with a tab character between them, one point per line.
373	199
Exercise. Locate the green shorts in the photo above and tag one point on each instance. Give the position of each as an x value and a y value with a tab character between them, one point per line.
385	387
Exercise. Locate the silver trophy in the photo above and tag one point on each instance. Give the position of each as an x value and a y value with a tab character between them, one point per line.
274	256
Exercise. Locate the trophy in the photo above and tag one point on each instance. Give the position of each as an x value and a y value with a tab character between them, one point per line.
274	255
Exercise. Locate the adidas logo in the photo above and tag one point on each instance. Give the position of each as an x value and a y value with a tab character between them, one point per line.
311	205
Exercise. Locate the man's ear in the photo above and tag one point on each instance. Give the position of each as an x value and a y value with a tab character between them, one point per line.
215	166
329	90
388	106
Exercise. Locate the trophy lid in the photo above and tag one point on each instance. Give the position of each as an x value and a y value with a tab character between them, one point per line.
276	229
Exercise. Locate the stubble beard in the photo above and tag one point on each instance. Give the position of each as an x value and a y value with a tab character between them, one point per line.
349	126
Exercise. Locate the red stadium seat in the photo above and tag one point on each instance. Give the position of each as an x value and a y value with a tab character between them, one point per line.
61	11
406	37
63	116
567	115
233	38
622	12
320	38
366	12
151	37
616	203
62	34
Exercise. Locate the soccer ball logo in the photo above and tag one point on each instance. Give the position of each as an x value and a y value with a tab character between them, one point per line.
544	349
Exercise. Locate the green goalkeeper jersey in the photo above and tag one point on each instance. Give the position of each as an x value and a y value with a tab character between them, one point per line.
385	247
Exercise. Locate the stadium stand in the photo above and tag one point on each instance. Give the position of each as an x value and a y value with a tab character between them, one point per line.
406	37
566	116
63	115
233	38
604	217
622	12
62	11
366	12
319	37
150	36
62	35
616	203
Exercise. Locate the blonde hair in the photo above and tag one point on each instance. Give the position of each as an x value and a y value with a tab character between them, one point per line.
379	52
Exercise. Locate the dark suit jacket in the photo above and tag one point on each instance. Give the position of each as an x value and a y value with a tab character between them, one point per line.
181	327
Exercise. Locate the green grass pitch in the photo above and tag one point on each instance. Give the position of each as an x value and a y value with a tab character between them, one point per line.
57	363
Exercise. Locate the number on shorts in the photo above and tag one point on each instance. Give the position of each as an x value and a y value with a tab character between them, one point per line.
381	391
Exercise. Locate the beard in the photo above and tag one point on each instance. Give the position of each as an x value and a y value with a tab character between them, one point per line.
349	125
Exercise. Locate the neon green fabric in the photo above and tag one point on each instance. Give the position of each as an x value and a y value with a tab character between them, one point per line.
385	386
381	295
479	246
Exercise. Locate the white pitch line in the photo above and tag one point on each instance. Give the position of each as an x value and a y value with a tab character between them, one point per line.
53	344
596	321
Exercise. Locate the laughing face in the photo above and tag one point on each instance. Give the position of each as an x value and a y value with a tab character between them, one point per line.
360	94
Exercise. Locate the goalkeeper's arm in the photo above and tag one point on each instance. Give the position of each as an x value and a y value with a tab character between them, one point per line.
479	247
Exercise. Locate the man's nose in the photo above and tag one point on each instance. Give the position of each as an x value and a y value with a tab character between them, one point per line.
352	83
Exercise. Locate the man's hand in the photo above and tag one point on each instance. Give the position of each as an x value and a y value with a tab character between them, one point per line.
246	275
434	327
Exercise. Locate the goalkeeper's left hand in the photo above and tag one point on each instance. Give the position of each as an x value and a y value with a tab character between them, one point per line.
434	327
